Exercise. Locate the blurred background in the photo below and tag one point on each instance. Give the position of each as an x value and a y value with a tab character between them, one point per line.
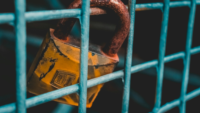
146	43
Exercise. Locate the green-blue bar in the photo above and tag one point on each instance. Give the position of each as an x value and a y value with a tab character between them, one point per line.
42	15
20	18
67	13
186	59
176	102
46	97
128	62
85	20
20	29
162	47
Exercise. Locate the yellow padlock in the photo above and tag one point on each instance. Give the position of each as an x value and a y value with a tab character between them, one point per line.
57	62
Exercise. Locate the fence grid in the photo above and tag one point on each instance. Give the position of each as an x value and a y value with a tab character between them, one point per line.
20	17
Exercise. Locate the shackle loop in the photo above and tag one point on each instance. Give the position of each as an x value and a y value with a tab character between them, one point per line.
113	45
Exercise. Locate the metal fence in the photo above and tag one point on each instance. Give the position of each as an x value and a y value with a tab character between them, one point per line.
20	17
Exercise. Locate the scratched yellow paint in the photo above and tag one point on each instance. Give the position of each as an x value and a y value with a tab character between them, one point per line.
57	65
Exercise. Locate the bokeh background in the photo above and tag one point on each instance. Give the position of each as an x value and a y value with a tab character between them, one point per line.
146	43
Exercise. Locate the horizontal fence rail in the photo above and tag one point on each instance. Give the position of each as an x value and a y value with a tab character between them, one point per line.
19	18
36	100
69	13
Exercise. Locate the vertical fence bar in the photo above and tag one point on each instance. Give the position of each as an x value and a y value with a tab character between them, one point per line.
20	29
128	62
162	46
85	19
186	59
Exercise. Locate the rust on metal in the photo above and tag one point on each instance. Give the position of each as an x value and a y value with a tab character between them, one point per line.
57	65
112	46
97	11
100	11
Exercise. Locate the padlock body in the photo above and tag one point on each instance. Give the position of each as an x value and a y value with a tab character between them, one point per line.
57	65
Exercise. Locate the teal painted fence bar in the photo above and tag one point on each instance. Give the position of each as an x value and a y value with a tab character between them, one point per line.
20	29
128	62
20	17
67	13
186	59
162	47
46	97
85	20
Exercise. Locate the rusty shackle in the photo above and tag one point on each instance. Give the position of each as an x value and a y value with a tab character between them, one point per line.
64	26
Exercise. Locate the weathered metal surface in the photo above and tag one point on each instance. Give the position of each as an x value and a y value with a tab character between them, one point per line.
57	65
39	15
59	58
33	101
112	46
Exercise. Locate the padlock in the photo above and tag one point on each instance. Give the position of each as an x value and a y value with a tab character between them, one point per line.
56	64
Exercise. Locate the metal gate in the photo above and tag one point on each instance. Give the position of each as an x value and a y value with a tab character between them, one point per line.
20	17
